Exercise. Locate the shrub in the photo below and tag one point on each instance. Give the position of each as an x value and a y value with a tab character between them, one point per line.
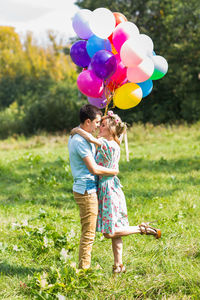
11	120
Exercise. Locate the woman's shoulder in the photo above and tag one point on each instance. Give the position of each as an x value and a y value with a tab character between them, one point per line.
112	144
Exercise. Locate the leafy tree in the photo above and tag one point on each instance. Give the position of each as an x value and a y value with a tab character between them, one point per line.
174	26
37	85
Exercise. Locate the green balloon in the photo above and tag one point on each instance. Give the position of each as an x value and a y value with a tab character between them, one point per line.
160	67
157	75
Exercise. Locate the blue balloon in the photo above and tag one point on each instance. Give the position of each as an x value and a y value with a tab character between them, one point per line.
146	87
95	44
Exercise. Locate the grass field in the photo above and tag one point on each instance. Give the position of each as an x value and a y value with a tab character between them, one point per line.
39	232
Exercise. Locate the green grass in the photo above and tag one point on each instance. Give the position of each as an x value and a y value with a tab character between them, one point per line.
39	232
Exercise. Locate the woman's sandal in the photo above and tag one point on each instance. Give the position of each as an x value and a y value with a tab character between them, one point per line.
145	228
119	269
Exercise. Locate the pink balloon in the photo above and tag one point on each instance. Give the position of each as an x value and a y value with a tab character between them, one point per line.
132	52
89	84
122	33
120	74
142	72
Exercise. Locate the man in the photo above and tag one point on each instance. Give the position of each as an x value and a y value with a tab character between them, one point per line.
84	170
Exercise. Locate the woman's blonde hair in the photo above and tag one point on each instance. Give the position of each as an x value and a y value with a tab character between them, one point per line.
115	125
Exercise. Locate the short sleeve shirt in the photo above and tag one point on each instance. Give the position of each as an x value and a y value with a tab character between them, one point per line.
78	149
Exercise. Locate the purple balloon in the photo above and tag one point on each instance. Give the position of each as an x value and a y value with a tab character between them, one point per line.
98	102
79	55
104	64
89	84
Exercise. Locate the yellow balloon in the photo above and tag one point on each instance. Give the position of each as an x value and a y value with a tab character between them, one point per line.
127	95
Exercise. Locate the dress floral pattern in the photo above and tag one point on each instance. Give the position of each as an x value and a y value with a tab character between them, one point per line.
112	211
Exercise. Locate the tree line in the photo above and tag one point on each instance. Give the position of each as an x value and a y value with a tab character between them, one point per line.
38	84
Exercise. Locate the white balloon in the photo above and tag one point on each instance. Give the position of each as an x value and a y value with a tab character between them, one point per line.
142	72
147	43
132	52
80	23
102	22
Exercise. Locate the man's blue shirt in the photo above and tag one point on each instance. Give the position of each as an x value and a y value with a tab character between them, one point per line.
78	149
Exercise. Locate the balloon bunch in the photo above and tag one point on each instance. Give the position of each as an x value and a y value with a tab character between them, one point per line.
118	62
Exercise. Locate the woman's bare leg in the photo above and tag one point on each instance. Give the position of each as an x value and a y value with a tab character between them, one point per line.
126	231
117	247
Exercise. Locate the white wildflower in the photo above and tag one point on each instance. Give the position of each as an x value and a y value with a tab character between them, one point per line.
15	248
25	223
61	297
72	233
63	255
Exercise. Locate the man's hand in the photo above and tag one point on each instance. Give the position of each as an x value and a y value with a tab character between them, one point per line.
98	170
86	135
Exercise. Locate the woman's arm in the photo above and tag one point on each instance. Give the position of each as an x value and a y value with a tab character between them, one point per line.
89	137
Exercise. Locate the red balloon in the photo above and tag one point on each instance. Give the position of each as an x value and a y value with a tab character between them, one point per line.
119	76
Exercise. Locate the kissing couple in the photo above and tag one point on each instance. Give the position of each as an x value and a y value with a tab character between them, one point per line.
97	190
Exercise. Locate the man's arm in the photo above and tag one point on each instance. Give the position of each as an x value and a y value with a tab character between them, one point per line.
98	170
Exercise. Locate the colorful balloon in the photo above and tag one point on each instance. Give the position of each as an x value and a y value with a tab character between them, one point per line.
113	50
146	87
142	72
104	64
79	55
98	102
119	76
132	53
89	84
119	18
95	44
127	96
146	43
80	23
123	32
102	22
160	67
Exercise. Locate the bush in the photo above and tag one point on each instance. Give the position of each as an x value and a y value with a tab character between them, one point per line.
57	110
11	120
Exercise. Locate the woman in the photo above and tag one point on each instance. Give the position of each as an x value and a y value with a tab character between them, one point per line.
112	218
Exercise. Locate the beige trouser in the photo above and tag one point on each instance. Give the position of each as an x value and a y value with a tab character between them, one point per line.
88	205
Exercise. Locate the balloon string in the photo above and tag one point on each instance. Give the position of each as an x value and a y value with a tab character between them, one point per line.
107	105
109	96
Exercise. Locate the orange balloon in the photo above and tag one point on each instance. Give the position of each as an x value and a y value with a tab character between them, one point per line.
119	18
114	51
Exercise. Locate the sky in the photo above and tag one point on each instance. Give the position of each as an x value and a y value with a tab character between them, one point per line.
38	16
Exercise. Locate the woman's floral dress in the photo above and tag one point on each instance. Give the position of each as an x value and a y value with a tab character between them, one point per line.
112	212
